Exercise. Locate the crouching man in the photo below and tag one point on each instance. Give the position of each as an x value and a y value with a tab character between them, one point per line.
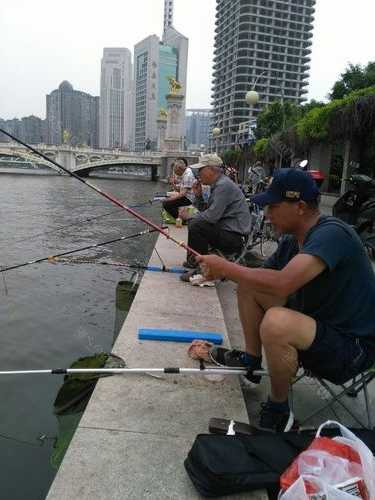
225	220
312	304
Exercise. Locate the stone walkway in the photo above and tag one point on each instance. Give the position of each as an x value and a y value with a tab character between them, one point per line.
137	430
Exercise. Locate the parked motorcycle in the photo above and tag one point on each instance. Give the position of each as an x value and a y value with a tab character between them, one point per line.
317	175
357	208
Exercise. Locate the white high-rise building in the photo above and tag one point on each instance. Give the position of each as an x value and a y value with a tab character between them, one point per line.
116	110
154	61
261	43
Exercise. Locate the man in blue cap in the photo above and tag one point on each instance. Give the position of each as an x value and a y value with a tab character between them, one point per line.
312	304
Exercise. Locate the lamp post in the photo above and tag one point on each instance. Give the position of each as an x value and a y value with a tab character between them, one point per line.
252	98
215	133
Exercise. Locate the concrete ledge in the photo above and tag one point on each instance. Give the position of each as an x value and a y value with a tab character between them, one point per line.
136	431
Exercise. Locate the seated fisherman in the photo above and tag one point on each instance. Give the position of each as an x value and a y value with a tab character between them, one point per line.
225	220
313	303
185	195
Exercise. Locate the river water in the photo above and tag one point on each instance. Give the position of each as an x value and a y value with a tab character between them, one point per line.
52	314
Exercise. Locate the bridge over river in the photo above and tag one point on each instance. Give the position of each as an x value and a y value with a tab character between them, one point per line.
83	160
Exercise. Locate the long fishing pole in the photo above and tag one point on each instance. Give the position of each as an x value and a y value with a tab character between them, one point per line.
163	268
109	197
89	219
129	371
51	258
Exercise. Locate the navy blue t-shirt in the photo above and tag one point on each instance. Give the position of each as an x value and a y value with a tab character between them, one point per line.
343	295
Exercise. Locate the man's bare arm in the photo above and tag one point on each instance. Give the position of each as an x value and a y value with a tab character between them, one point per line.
299	271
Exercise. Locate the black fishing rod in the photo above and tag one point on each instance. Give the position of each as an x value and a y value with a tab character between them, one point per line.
51	258
142	267
108	196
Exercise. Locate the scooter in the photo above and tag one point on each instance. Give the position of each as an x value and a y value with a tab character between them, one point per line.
357	208
317	175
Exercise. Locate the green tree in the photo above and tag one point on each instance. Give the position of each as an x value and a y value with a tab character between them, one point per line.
308	106
355	77
231	157
276	117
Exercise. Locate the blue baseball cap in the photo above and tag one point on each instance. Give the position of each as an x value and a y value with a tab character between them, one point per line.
288	184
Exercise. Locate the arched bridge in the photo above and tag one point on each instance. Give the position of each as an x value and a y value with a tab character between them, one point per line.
84	160
81	160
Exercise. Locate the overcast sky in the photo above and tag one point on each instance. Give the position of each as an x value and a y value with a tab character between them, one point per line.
43	42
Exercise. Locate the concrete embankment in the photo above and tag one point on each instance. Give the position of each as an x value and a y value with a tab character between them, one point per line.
137	429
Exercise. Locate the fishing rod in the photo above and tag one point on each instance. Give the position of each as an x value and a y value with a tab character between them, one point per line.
51	258
134	371
163	268
61	228
106	195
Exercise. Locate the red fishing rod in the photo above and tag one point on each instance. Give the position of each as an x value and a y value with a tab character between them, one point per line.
109	197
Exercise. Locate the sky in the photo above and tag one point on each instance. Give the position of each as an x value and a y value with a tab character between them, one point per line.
43	42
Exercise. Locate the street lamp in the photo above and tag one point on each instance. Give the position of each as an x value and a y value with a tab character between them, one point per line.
252	96
216	131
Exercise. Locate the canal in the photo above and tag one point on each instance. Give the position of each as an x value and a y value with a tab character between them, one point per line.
52	314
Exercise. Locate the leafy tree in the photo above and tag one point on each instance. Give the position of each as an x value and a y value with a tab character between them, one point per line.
308	106
355	77
276	117
260	148
231	156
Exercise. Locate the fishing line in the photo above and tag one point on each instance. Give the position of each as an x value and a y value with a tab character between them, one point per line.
5	284
30	443
51	258
106	195
161	260
61	228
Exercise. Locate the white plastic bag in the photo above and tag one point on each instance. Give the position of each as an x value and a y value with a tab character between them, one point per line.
327	467
325	470
326	492
365	454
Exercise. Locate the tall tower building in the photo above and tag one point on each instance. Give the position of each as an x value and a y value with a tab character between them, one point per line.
72	116
116	113
197	128
154	61
266	43
146	81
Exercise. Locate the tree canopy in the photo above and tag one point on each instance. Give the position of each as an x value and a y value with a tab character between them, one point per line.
276	117
355	77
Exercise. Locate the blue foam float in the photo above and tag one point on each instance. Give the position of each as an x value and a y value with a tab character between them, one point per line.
178	335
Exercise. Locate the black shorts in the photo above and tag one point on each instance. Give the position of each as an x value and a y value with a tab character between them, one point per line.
336	357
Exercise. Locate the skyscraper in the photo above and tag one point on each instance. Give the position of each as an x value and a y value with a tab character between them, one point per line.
154	62
197	128
72	116
30	129
116	110
261	42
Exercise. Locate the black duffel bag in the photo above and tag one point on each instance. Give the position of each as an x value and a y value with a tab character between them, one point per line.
222	465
